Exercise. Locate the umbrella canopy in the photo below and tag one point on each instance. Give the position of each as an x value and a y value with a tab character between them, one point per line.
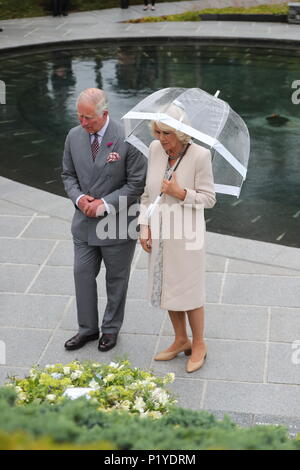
207	119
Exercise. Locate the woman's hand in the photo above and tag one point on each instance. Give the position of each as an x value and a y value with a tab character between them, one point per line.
145	238
172	188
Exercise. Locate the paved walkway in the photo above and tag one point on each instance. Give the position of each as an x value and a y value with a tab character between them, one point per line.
106	25
253	288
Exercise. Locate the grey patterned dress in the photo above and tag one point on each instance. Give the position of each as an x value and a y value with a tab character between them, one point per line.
158	269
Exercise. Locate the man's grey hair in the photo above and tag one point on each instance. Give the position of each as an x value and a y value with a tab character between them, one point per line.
94	96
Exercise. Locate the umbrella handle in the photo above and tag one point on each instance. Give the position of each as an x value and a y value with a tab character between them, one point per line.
217	94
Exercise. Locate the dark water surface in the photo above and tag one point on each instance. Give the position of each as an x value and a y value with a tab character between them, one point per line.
257	83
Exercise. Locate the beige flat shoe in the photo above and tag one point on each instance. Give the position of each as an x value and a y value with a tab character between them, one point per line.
168	355
193	366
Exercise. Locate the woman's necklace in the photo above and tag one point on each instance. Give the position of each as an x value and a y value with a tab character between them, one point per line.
174	157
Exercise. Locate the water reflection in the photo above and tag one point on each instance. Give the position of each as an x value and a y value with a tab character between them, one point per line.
136	70
42	91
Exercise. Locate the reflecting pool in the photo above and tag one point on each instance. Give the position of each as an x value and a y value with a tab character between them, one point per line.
257	82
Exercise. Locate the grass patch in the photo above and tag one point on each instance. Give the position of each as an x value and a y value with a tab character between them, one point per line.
280	9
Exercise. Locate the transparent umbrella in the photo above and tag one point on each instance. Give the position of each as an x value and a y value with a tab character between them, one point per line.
207	119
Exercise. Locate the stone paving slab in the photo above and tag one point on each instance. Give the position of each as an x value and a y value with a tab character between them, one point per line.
242	249
245	267
285	324
24	346
262	290
16	278
43	228
6	208
20	251
31	311
236	322
13	226
281	369
54	280
275	400
63	254
188	393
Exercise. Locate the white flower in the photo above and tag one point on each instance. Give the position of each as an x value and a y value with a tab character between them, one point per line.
76	374
48	366
133	386
22	396
152	384
123	405
51	397
109	378
19	389
147	383
139	404
126	404
160	395
170	377
155	414
148	379
156	404
56	375
93	384
33	373
115	365
67	370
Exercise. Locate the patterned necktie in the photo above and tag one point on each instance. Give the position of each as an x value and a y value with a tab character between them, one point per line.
95	146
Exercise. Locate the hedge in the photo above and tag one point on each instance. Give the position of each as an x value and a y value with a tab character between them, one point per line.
80	424
195	15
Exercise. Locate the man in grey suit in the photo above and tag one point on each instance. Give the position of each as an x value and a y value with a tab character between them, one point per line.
103	176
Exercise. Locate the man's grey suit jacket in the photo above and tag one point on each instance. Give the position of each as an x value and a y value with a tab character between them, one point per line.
102	179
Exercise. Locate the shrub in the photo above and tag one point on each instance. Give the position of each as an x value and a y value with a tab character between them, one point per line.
24	441
111	386
79	423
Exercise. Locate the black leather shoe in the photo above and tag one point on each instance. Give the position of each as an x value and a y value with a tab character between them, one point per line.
107	341
77	341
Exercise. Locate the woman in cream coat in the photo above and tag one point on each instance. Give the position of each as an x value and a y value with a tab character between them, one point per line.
174	236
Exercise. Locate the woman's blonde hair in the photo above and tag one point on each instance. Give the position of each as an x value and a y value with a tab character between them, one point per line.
181	136
177	113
